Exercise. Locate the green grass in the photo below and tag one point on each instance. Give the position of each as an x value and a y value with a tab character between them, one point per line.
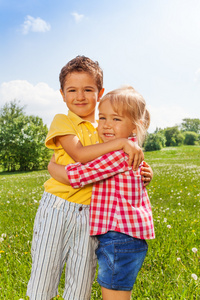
170	263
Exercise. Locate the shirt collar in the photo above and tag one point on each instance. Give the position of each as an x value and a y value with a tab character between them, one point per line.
75	119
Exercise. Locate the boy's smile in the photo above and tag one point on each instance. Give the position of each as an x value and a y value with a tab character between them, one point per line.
81	94
111	125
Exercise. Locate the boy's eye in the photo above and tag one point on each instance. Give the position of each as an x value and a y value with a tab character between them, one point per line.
71	91
116	119
102	118
88	90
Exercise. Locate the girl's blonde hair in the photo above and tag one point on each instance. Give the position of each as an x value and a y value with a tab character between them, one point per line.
126	101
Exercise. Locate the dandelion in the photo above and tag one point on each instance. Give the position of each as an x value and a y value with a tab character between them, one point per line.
194	250
194	276
169	226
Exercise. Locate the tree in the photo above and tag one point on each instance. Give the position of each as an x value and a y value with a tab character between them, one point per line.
21	139
154	141
173	136
191	125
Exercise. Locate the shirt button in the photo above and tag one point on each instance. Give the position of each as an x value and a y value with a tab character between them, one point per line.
80	208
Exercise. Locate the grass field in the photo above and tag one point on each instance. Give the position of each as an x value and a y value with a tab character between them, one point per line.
171	269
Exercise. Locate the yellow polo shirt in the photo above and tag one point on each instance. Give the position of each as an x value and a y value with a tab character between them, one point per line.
87	134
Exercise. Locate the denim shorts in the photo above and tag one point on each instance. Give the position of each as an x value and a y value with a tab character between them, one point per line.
120	258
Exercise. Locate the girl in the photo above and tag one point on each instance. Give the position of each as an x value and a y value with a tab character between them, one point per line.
120	210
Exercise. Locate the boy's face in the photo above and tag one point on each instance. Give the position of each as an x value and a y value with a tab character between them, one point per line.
81	95
111	125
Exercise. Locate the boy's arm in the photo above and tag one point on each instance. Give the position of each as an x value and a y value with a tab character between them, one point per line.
147	173
58	171
72	145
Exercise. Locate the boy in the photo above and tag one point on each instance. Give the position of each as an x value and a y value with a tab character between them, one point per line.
61	228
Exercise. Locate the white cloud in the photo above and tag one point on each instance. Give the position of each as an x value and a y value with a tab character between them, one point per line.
43	101
78	18
39	99
35	25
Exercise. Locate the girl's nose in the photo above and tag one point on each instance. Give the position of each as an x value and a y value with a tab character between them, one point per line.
107	124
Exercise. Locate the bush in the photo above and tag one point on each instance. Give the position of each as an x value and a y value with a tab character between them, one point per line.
154	141
191	138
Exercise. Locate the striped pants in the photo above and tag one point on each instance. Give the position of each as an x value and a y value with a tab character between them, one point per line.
61	235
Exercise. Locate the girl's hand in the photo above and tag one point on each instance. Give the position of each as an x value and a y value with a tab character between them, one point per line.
135	154
147	173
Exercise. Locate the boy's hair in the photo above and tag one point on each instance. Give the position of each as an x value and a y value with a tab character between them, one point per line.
127	101
82	64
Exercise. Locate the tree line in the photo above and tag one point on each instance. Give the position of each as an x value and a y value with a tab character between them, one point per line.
187	133
22	138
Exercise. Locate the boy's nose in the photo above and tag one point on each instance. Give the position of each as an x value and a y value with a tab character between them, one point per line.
80	95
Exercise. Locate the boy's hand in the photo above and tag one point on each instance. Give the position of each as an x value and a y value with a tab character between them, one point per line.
135	154
147	173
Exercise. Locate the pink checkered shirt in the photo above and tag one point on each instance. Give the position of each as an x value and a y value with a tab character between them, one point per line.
119	203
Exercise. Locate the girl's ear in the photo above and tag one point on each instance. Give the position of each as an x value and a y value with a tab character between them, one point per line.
134	133
100	94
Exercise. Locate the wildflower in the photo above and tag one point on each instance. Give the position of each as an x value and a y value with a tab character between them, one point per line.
178	259
169	226
194	250
165	220
194	276
179	203
3	235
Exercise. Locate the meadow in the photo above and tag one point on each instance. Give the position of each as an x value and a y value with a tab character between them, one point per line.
171	269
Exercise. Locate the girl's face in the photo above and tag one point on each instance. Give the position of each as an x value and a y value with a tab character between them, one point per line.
111	125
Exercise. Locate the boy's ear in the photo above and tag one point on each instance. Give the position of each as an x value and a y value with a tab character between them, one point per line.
61	91
100	94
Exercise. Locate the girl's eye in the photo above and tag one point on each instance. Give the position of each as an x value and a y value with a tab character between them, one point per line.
116	119
102	118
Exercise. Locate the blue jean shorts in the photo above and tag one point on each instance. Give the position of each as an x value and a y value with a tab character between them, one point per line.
120	258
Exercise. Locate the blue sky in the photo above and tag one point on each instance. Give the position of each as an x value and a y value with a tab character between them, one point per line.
150	44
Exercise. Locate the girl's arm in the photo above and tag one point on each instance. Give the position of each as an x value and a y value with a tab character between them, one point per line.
84	154
104	167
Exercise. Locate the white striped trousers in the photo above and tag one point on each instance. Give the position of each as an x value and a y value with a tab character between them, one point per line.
61	235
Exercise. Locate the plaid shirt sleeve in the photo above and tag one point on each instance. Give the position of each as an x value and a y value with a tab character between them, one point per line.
101	168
